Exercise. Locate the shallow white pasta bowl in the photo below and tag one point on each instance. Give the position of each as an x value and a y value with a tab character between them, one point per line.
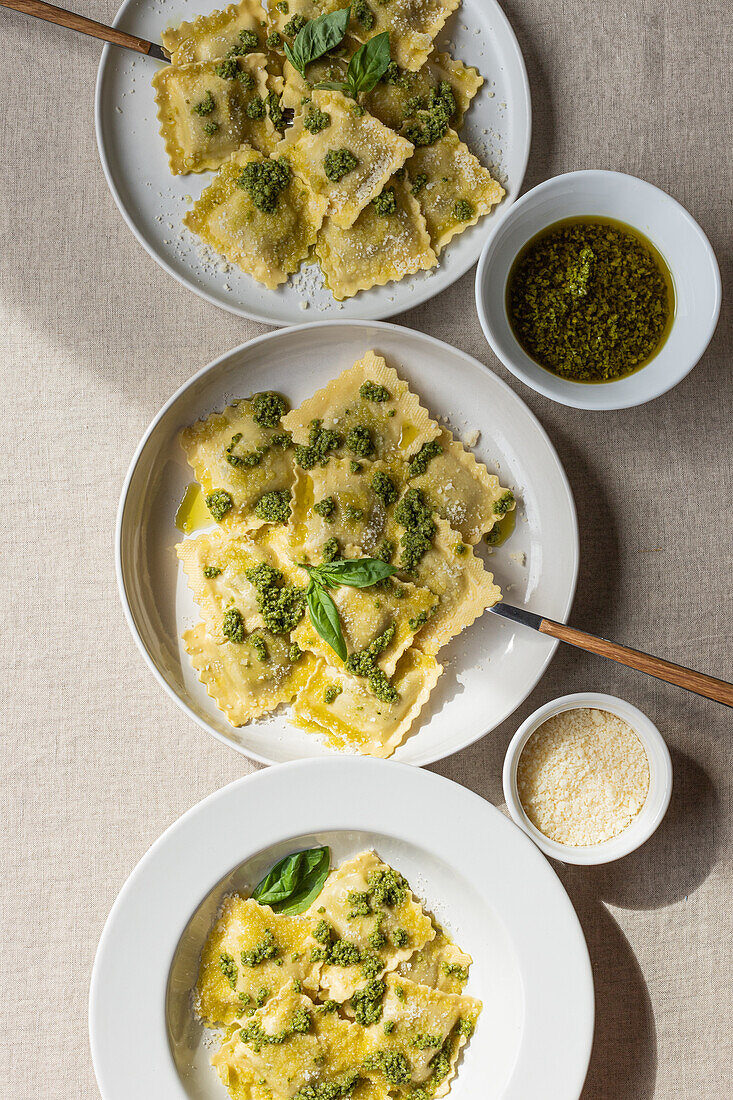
652	812
490	668
495	893
660	218
152	201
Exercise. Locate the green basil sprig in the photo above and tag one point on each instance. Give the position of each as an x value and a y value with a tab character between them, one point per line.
295	881
368	64
317	37
356	573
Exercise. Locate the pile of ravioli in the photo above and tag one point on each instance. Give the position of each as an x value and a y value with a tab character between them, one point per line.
327	481
360	997
220	106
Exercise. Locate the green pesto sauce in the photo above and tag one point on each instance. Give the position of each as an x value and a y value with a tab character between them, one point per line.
258	645
256	109
294	653
400	937
387	887
219	502
229	969
339	1088
268	409
337	163
363	662
264	181
504	503
316	120
210	128
233	626
246	80
248	43
389	1026
418	464
590	299
282	606
295	25
363	14
360	442
211	571
415	515
392	1064
367	1002
331	694
321	441
283	6
206	106
453	970
384	488
422	1041
256	1037
325	508
373	391
355	467
274	507
419	182
273	40
228	69
463	210
248	459
275	112
419	620
385	203
266	949
330	550
432	116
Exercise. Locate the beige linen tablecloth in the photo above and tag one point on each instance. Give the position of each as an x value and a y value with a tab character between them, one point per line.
97	761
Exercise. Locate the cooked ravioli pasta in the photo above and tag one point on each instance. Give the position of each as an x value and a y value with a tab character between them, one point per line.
357	471
236	30
358	997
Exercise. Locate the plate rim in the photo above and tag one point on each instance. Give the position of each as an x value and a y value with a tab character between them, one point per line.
423	293
349	809
307	328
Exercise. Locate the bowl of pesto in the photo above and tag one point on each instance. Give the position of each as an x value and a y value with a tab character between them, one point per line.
598	290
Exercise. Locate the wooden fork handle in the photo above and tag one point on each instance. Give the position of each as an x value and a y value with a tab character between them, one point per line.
75	22
719	690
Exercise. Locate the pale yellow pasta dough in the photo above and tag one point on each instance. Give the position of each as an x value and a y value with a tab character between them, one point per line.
412	26
390	101
359	875
377	248
398	427
207	445
440	964
191	144
214	35
227	989
356	720
460	489
454	175
379	152
241	684
268	246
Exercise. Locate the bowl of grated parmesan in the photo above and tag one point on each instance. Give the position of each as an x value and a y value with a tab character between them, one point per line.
588	777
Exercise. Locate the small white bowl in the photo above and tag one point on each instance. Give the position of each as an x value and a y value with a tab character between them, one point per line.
656	215
657	799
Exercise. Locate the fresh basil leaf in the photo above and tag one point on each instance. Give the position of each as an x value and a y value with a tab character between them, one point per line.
325	617
317	37
333	86
357	572
368	64
295	881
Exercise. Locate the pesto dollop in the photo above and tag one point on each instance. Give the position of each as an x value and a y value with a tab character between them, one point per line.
255	1036
332	693
316	120
418	464
337	163
265	949
589	300
367	1002
373	391
432	117
504	503
256	109
206	105
360	442
384	488
268	409
330	550
211	571
325	508
415	515
385	203
282	606
419	182
274	507
227	69
233	625
295	25
219	502
273	40
321	441
264	181
363	14
248	43
463	211
275	111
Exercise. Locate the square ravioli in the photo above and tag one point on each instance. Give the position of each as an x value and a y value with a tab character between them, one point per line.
236	30
377	624
400	93
295	1050
241	460
462	587
458	487
251	954
241	580
388	241
368	410
428	1029
343	709
349	161
412	26
207	109
453	188
259	215
250	677
440	964
368	908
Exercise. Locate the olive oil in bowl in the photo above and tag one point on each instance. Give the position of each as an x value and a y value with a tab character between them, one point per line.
590	299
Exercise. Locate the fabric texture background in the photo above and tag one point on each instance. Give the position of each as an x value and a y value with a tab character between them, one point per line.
94	337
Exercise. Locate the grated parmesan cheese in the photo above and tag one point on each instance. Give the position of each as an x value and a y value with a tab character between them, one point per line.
583	776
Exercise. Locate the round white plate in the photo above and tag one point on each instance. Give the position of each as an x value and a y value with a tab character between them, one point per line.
497	896
490	668
153	202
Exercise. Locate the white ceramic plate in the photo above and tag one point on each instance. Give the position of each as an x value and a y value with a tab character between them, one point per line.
489	669
497	896
153	202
